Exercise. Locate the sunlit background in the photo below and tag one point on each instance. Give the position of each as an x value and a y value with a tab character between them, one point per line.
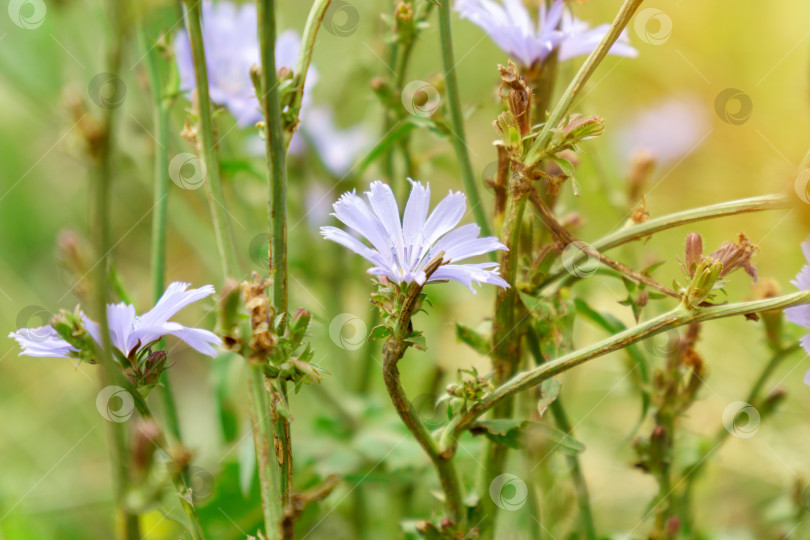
54	461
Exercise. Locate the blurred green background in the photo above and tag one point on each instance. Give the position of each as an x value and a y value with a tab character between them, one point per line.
54	462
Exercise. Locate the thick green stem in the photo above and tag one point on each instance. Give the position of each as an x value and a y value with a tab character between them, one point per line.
206	142
269	477
652	226
457	119
538	148
673	319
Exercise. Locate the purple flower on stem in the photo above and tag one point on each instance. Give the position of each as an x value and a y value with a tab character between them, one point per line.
231	49
801	314
129	332
402	248
510	26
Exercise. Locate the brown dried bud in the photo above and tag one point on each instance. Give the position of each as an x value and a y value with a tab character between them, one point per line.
640	214
736	255
694	253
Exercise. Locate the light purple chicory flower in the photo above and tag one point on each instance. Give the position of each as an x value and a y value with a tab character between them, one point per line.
801	314
129	332
402	248
231	49
510	26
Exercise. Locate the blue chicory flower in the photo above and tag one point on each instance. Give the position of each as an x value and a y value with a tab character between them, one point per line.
129	332
402	248
510	26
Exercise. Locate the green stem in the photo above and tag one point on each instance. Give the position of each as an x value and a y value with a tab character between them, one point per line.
206	142
311	28
673	319
538	148
261	418
577	476
457	119
648	228
692	473
161	108
101	153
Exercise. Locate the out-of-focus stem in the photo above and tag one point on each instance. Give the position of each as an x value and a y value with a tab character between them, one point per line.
457	119
673	319
161	106
206	142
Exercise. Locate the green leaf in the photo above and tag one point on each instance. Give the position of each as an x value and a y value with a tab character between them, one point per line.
549	391
478	342
565	166
418	341
379	332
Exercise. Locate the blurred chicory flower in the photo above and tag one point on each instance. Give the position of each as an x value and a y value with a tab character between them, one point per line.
510	26
403	248
231	49
801	314
129	332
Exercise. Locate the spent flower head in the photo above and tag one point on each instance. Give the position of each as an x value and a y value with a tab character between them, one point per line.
511	27
401	249
706	272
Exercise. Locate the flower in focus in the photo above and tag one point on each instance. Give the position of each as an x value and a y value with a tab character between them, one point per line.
801	314
231	49
402	248
129	332
511	27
